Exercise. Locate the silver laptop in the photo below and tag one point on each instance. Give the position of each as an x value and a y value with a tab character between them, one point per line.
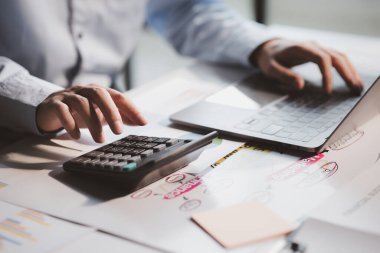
259	109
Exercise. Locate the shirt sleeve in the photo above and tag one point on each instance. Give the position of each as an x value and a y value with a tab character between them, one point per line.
206	29
20	94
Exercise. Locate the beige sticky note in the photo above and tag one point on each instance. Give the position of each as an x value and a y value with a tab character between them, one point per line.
242	224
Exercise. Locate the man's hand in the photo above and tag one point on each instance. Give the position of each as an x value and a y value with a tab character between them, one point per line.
87	107
276	57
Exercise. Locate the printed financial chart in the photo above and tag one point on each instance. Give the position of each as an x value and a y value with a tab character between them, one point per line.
25	230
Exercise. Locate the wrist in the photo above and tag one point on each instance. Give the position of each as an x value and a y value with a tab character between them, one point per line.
258	52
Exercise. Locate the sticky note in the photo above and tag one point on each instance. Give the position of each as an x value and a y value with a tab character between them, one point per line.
242	224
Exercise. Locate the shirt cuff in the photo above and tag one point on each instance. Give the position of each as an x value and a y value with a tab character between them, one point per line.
253	35
21	93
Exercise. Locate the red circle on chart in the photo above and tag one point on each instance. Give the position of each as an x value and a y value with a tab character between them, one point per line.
190	205
141	194
175	178
329	168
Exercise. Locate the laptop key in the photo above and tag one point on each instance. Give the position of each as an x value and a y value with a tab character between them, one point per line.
297	136
297	124
307	139
290	118
272	129
262	124
291	129
283	134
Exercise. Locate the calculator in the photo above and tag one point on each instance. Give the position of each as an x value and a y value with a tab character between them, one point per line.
136	161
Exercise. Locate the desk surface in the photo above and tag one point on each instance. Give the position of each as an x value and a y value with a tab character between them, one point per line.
178	89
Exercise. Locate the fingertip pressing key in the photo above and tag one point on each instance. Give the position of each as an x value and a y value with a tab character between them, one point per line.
299	83
118	127
142	120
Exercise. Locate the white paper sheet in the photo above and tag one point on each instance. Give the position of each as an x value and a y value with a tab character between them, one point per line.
25	230
98	242
357	205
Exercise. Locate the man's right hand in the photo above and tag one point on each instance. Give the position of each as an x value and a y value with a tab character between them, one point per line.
90	107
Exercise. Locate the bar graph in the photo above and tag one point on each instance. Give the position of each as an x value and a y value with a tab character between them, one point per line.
26	230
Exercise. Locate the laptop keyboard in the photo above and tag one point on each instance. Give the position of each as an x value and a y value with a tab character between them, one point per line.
300	118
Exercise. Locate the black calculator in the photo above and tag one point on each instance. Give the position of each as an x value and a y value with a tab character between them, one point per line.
136	161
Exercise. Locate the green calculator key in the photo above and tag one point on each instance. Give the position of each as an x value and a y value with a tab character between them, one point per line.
129	167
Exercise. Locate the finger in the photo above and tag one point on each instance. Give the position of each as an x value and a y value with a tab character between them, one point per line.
87	112
128	121
353	69
67	121
284	75
314	54
126	107
345	70
358	81
107	106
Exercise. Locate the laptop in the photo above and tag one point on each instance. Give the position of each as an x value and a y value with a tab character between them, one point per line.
260	109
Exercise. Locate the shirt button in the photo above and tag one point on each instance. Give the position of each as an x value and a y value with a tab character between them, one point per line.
80	35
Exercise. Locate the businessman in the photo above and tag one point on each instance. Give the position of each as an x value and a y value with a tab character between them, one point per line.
48	48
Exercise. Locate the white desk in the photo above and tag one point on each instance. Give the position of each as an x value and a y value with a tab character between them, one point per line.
157	99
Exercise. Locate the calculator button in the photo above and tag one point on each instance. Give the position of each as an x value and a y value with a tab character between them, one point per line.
171	142
161	140
105	148
150	139
135	138
159	147
119	166
124	158
125	151
139	144
140	138
115	149
136	151
127	143
98	164
110	164
150	145
105	156
134	159
93	162
147	153
116	156
130	167
94	154
101	164
119	142
130	137
81	160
